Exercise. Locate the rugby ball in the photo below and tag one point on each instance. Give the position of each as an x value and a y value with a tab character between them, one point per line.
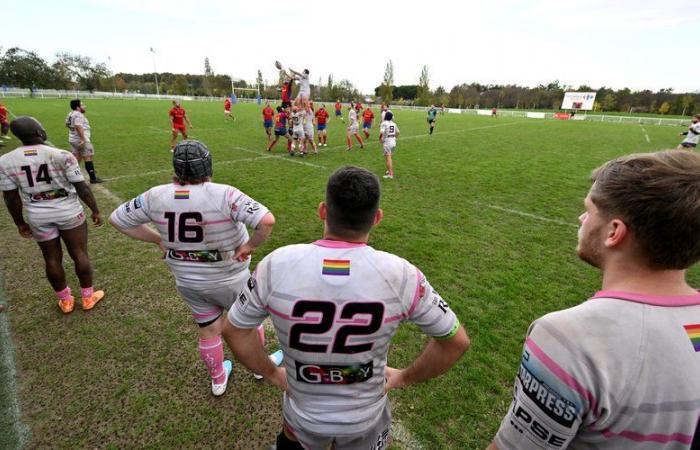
278	65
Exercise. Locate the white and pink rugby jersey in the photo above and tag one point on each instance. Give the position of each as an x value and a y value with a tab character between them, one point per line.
620	371
335	307
200	224
44	177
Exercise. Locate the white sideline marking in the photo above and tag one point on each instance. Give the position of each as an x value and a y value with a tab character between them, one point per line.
645	133
526	214
107	193
12	410
401	434
284	158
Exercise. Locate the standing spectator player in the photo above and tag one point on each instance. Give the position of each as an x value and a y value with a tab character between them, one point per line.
353	129
339	111
48	181
336	376
620	371
367	118
268	113
280	129
4	123
432	117
79	138
201	227
321	124
227	109
692	135
309	122
178	117
388	133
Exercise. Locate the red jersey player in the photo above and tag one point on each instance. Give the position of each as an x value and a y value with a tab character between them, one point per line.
339	111
268	113
4	124
321	123
281	129
367	118
227	109
287	94
178	117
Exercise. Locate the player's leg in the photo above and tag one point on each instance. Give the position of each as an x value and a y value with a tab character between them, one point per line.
184	133
76	240
379	436
53	265
173	139
272	144
389	165
348	139
88	154
359	139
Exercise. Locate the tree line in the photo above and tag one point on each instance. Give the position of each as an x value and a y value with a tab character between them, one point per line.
25	69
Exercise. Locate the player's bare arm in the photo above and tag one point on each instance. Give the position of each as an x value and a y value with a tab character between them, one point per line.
437	357
245	344
262	232
142	233
85	194
14	206
81	134
188	121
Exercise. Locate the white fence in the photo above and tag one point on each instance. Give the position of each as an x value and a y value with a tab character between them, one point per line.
52	93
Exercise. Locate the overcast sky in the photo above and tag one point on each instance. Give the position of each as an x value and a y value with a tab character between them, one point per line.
616	43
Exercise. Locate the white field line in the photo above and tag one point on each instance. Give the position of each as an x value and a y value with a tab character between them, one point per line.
284	158
12	410
645	133
526	214
401	434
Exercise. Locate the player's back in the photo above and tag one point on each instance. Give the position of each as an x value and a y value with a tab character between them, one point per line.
201	225
44	177
389	129
352	117
335	307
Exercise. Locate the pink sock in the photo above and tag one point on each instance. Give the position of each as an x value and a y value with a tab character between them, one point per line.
87	292
64	294
261	335
212	353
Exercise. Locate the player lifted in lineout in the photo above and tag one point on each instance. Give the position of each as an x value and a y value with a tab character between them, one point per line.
388	133
353	128
335	374
49	182
201	227
692	135
178	117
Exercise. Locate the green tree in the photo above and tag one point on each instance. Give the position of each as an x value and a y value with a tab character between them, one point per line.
609	102
79	72
22	68
664	108
386	90
424	88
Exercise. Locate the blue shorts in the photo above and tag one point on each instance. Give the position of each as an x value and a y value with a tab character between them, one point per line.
338	113
267	123
367	125
321	126
280	131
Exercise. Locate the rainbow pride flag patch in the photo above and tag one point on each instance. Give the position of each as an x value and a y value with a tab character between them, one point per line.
694	335
182	194
30	152
336	267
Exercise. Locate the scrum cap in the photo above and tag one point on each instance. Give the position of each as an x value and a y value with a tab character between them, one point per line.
192	160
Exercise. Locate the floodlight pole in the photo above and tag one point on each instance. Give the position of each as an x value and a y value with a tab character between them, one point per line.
155	72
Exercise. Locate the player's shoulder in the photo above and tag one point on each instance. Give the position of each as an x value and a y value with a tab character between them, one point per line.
288	253
389	261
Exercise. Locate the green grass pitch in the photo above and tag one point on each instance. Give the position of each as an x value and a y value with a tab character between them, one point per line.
487	208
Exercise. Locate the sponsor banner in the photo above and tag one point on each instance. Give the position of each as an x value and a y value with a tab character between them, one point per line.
533	115
578	100
562	116
204	256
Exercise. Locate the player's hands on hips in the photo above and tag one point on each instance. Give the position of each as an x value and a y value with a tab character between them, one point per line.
81	144
279	378
97	219
243	252
394	379
24	231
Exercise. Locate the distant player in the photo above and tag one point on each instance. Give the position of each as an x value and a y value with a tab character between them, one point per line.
620	371
280	129
321	125
432	117
48	181
79	138
309	123
353	129
494	113
178	117
201	227
388	133
4	123
339	111
367	118
335	305
227	109
358	108
298	116
692	135
268	115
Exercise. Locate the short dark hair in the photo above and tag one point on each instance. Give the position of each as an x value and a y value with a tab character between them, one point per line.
657	195
352	200
74	104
